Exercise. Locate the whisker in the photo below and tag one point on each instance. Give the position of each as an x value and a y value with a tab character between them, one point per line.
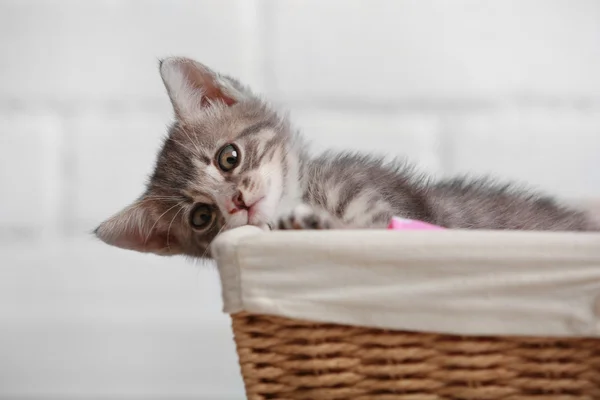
169	229
183	145
158	219
270	171
176	198
186	133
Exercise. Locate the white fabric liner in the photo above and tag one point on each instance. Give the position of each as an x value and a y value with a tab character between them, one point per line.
458	282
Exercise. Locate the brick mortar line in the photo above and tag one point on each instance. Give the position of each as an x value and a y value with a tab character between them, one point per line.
75	106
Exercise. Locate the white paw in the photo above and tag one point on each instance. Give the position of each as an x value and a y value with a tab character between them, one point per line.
305	217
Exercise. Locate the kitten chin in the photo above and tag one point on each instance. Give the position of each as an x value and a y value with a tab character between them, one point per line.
230	159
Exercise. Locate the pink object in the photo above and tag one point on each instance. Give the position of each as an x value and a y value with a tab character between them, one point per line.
402	224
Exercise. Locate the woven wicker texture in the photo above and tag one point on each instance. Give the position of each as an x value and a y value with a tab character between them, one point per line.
289	359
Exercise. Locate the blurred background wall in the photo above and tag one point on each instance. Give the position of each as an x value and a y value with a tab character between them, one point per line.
510	87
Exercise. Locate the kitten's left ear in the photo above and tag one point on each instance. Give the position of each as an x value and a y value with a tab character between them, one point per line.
192	86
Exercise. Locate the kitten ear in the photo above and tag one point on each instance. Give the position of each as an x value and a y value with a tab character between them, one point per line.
192	86
136	228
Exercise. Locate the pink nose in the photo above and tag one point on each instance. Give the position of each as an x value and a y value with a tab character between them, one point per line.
238	200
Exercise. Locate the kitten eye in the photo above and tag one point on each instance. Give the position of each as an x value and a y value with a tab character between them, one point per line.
228	158
201	216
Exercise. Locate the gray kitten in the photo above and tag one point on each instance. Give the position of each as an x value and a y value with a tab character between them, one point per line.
231	160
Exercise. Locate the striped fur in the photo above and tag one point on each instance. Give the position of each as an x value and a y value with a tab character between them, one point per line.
287	188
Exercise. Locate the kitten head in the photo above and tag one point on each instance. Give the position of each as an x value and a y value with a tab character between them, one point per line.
228	160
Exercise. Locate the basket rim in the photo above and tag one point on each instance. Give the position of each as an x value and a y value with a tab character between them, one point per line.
515	283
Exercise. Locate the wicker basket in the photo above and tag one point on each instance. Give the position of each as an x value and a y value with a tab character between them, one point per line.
283	358
285	354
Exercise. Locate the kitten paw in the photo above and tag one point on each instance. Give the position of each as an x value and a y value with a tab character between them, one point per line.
305	217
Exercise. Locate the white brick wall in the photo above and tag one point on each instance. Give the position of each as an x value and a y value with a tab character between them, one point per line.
31	146
71	50
79	321
556	149
435	50
506	87
415	135
112	152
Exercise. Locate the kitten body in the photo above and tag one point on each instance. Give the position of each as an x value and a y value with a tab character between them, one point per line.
365	192
231	160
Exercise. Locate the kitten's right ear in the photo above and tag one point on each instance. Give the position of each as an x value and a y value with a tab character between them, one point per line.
192	86
137	228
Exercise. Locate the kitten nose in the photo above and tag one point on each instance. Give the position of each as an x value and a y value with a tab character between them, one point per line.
238	200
